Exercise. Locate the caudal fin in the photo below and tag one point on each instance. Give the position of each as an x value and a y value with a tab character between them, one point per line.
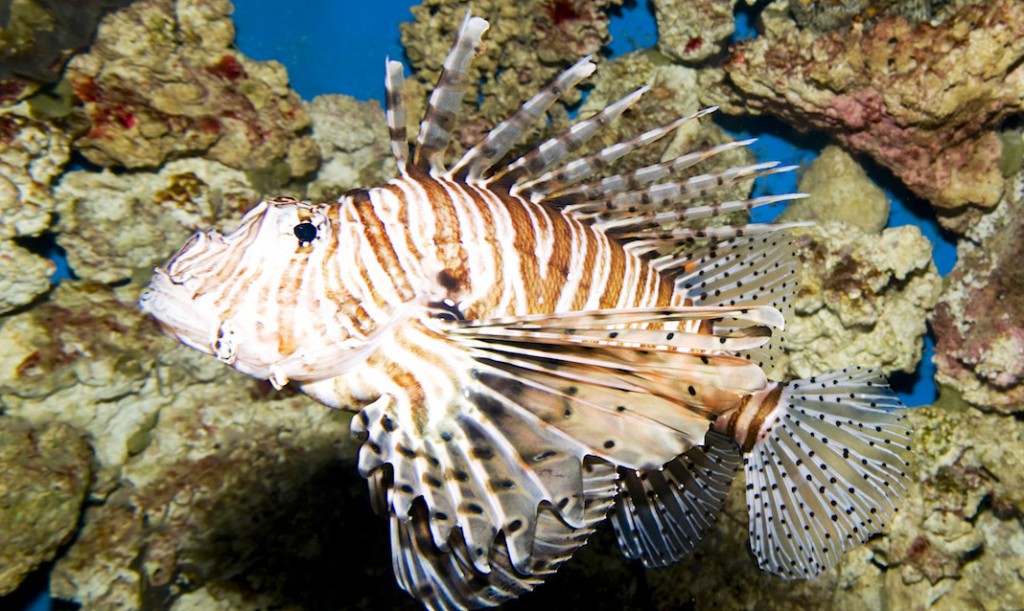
827	472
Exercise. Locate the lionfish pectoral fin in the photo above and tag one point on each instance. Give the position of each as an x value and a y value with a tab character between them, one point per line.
637	397
830	472
446	99
449	578
661	515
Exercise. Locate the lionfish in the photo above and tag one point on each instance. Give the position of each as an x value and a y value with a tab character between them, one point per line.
528	353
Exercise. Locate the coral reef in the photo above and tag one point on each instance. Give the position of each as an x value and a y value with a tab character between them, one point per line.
44	474
979	323
162	81
37	38
864	299
32	154
693	31
825	15
924	101
839	191
353	141
163	208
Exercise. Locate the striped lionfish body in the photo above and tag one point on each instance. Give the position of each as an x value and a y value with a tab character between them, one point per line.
529	353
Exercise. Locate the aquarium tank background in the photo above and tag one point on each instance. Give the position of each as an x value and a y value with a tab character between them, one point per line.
139	475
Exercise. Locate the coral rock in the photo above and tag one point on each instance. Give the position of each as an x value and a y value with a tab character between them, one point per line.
353	138
32	154
840	191
114	225
44	474
979	324
693	31
162	81
864	299
922	100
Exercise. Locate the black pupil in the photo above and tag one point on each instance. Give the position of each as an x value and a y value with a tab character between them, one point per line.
306	232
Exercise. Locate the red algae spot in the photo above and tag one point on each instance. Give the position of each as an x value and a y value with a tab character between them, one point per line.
86	89
561	11
125	118
694	45
228	68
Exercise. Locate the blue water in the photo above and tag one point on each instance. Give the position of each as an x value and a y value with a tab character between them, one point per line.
339	47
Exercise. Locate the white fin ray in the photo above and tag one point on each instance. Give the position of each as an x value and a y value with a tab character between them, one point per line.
584	320
443	107
447	579
620	202
555	149
540	188
654	218
661	515
560	193
475	163
829	474
394	88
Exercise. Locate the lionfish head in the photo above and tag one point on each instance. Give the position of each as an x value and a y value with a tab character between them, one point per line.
250	297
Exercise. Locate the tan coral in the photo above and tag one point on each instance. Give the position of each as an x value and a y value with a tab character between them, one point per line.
162	81
114	225
44	474
863	300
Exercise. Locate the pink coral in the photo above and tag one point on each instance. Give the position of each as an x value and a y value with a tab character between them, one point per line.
923	100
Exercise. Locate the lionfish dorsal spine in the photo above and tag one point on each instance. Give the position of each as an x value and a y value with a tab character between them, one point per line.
552	181
554	150
445	100
394	85
479	159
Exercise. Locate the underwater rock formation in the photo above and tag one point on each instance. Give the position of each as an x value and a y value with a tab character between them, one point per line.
354	146
691	31
863	299
979	323
924	101
162	80
32	155
37	38
163	207
44	475
840	191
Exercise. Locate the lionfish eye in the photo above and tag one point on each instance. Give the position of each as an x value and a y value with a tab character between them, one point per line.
306	232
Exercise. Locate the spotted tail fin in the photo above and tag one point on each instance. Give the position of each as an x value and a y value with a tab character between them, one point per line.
439	121
827	468
660	515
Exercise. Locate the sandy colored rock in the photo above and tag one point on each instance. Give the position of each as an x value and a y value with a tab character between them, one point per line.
691	31
353	138
863	299
922	100
840	191
32	155
162	80
44	474
115	226
979	323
